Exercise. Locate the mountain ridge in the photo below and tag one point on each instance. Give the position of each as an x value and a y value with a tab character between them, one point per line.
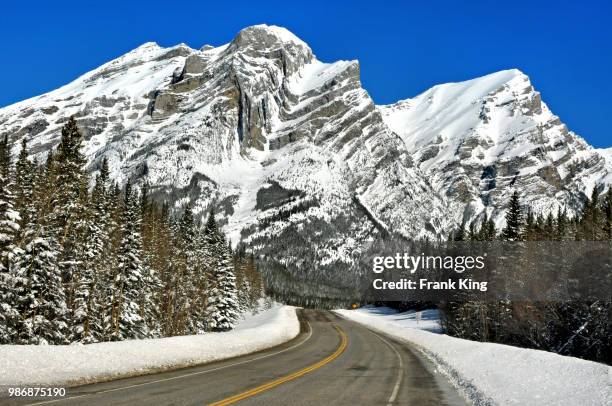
261	119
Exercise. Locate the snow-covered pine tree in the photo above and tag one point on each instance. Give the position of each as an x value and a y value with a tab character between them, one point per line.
9	228
24	185
9	315
90	291
149	305
42	302
514	219
9	217
101	258
70	207
222	311
82	284
202	279
115	208
187	267
130	280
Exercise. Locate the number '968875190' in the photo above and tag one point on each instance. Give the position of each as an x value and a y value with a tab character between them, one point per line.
36	392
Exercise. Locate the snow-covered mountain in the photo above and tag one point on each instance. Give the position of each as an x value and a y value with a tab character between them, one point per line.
480	139
294	153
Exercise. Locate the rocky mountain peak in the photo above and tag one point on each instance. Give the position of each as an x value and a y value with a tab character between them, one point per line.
272	42
269	36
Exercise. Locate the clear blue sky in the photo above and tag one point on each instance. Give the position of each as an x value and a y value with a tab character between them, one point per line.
404	47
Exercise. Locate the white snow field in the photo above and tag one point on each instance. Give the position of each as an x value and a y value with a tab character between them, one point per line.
495	374
69	365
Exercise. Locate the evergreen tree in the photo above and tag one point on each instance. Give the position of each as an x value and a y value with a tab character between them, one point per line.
92	283
9	217
549	228
129	282
9	315
203	278
9	228
242	281
530	232
68	219
24	185
186	244
151	225
42	301
160	259
44	193
591	226
472	235
562	225
100	256
514	219
460	233
113	206
222	310
491	230
487	229
256	283
149	307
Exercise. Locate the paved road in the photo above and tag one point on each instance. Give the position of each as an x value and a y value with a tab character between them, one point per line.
332	362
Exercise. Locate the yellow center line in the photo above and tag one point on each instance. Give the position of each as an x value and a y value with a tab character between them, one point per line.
287	378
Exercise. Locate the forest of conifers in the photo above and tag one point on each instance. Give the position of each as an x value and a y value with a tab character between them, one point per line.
83	263
580	325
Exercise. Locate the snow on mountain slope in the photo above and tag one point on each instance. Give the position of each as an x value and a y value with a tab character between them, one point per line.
294	155
479	139
606	153
108	100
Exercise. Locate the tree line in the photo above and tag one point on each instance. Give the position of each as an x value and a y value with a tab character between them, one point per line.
81	264
576	326
594	223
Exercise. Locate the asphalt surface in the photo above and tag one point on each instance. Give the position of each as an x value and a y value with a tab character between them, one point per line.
333	361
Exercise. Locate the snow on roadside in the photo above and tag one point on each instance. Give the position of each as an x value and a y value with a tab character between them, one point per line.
428	320
496	374
69	365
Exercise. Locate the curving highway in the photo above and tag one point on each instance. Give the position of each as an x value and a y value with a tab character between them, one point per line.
333	361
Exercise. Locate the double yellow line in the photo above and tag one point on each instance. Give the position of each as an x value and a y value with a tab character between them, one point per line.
287	378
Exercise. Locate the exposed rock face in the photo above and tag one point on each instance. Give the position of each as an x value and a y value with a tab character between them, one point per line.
297	156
